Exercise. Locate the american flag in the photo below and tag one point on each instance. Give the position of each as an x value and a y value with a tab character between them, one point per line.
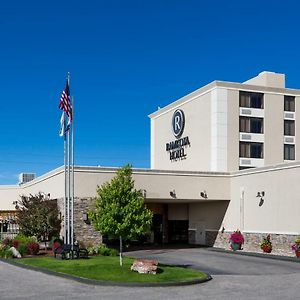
65	102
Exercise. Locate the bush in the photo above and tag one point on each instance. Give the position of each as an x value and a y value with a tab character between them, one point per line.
16	243
23	249
33	248
102	250
22	239
3	250
8	253
7	242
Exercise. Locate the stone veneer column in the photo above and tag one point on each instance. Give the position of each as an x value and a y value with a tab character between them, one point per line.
84	232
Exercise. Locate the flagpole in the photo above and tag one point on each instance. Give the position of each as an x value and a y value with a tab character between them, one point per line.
72	162
68	185
65	199
66	106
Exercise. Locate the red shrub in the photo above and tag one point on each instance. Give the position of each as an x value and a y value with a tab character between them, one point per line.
33	248
16	243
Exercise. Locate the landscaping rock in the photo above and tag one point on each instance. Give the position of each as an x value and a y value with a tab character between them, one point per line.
15	252
145	266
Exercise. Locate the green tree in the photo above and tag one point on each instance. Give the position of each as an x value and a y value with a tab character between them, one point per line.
119	210
38	216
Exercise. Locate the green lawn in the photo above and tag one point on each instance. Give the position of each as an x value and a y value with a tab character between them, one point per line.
108	269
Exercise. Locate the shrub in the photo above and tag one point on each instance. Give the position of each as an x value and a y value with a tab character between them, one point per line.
113	252
25	240
8	253
102	250
23	249
16	243
33	248
3	250
7	242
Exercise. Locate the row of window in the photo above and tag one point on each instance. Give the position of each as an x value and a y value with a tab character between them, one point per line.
256	150
256	100
255	125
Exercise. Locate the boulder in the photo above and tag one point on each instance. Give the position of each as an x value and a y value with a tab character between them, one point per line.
144	266
15	252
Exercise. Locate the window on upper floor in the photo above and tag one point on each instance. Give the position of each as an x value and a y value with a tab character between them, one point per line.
251	150
289	127
289	103
251	100
251	125
289	152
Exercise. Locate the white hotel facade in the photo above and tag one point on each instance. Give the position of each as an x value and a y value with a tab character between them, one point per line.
224	157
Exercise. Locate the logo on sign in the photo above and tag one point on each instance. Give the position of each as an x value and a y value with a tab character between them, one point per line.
178	123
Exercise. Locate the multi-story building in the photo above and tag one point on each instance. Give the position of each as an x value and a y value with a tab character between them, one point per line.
222	158
229	126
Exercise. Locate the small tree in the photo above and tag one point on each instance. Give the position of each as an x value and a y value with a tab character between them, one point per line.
119	209
38	217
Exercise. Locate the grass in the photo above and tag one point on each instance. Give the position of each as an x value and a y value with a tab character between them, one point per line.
108	269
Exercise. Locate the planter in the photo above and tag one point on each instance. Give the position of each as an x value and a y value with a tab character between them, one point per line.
267	249
235	246
297	253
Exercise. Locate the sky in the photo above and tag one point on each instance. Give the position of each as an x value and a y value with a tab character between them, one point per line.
126	59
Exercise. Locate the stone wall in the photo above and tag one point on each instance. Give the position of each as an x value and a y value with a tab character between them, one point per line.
281	243
84	231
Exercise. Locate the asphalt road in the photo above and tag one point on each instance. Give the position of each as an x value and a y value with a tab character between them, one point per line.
234	277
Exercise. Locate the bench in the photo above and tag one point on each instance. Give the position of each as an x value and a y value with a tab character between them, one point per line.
68	252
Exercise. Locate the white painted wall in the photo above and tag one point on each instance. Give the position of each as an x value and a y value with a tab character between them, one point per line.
218	130
280	211
231	201
196	118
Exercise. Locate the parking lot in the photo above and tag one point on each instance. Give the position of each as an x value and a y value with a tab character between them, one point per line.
234	277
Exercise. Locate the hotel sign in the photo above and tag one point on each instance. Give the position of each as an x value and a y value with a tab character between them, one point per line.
176	148
178	122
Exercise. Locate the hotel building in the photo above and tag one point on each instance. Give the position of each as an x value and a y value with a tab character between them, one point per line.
224	157
231	126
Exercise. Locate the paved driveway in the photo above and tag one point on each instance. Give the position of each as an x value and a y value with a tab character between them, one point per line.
234	277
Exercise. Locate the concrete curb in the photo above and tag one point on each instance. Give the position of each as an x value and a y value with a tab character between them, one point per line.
254	254
106	283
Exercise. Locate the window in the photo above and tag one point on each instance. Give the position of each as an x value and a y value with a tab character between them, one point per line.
289	127
244	124
251	100
251	125
289	152
244	149
289	103
251	150
256	125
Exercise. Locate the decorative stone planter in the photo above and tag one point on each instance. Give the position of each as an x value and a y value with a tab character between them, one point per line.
235	246
267	249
